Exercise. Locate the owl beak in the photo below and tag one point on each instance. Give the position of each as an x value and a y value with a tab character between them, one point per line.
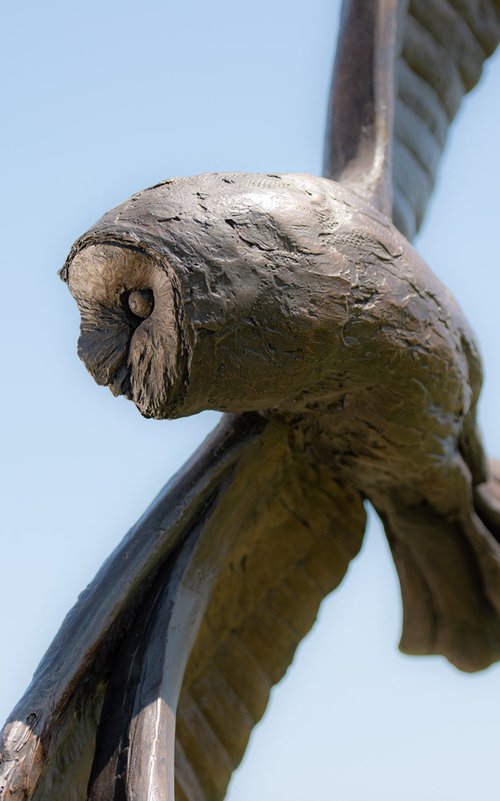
104	353
120	383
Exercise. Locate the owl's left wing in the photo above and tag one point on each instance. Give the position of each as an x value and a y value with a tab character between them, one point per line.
402	69
443	47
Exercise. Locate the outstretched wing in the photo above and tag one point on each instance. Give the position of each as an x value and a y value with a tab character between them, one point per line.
380	116
67	688
229	565
444	44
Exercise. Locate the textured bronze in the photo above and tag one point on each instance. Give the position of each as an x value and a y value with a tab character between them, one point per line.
347	372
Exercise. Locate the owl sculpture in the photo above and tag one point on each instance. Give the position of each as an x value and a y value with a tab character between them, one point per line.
297	306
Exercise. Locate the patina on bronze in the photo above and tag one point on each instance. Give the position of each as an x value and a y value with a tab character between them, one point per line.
347	372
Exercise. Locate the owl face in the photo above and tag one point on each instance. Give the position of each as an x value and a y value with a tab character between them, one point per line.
129	333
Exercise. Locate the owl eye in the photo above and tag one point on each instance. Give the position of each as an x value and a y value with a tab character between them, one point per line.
140	302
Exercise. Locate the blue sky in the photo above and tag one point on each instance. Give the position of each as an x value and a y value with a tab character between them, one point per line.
104	99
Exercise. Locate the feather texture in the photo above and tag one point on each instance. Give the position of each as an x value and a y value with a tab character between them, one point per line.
444	46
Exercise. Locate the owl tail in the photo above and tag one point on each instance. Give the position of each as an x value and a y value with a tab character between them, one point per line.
449	572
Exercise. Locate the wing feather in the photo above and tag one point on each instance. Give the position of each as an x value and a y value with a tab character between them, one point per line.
445	44
302	544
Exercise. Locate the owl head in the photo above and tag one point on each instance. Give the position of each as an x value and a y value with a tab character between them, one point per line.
211	292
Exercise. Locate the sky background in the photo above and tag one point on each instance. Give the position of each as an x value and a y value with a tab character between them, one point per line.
103	99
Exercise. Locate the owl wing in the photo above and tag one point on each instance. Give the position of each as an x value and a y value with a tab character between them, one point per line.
444	44
378	116
227	567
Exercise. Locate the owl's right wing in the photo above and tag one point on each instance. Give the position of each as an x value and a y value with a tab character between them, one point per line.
228	567
291	529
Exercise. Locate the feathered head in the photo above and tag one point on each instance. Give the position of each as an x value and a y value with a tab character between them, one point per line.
195	293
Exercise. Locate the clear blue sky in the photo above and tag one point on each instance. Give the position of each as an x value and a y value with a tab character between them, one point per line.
103	99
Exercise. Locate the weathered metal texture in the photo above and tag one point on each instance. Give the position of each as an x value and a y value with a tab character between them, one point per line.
347	372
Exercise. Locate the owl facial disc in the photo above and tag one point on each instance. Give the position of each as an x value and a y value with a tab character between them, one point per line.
129	333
